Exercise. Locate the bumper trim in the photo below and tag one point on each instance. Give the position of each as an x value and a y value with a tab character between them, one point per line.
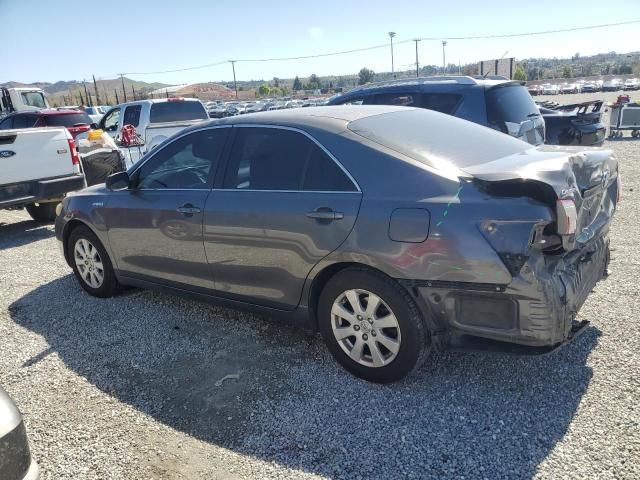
469	343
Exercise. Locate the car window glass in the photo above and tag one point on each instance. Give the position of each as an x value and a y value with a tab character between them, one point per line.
177	111
353	101
67	120
324	175
187	162
132	115
6	124
268	159
399	99
33	99
111	120
511	103
24	121
440	102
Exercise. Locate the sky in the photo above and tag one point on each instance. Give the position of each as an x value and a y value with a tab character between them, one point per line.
50	40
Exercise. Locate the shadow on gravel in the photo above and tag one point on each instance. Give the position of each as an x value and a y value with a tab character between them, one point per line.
268	391
22	233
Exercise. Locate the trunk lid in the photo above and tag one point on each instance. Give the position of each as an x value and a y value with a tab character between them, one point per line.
587	176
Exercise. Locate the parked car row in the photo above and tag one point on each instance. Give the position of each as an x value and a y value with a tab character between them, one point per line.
585	86
220	109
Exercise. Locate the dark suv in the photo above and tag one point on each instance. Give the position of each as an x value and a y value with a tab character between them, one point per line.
76	121
503	105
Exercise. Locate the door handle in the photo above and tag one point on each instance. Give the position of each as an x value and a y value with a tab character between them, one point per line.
188	209
324	213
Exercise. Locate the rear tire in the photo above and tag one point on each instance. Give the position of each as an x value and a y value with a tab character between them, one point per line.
43	212
380	344
91	263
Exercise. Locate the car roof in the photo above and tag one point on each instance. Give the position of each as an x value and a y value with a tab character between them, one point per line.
157	100
51	111
434	80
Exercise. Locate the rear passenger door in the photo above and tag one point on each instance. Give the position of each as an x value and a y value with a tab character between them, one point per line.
284	204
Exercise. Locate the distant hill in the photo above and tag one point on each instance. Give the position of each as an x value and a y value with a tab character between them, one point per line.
70	92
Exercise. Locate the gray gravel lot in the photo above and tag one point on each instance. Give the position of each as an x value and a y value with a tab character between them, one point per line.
131	387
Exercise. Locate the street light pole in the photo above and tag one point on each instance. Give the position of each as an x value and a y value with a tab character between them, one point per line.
391	35
417	63
235	85
444	44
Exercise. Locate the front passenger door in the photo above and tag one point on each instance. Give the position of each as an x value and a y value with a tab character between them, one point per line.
155	227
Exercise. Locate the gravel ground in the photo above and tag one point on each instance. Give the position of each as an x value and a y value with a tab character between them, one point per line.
132	387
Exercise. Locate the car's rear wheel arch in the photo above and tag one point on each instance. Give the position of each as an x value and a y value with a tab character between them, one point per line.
326	274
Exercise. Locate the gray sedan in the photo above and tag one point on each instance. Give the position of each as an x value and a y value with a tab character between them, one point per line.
393	231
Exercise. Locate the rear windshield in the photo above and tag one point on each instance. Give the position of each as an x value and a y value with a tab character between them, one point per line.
512	103
68	120
177	111
435	139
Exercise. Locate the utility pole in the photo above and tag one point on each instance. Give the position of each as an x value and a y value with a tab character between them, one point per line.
134	92
391	35
417	63
86	94
115	90
235	84
95	85
444	44
124	91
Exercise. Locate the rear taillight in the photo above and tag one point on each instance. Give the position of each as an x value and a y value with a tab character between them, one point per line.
567	216
75	159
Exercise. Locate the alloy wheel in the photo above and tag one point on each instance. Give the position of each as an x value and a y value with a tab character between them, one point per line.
89	263
365	328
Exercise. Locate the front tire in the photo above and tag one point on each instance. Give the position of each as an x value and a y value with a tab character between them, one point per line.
371	326
91	263
43	212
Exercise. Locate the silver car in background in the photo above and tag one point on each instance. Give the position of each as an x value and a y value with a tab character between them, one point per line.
15	457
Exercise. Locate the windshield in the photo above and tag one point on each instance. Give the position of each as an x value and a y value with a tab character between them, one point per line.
435	139
67	120
176	111
34	99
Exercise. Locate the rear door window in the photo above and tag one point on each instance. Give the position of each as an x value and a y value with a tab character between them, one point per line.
176	111
281	159
322	174
132	115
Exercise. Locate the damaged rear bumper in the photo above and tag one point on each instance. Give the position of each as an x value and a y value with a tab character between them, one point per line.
537	309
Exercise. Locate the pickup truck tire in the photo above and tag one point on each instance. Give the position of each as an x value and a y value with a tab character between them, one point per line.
91	263
43	212
380	344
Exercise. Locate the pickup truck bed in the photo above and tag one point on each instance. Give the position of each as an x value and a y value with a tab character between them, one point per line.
39	166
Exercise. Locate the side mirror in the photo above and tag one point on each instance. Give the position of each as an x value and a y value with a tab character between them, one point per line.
118	181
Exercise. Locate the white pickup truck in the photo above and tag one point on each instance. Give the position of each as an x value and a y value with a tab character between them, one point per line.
38	167
21	99
154	121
